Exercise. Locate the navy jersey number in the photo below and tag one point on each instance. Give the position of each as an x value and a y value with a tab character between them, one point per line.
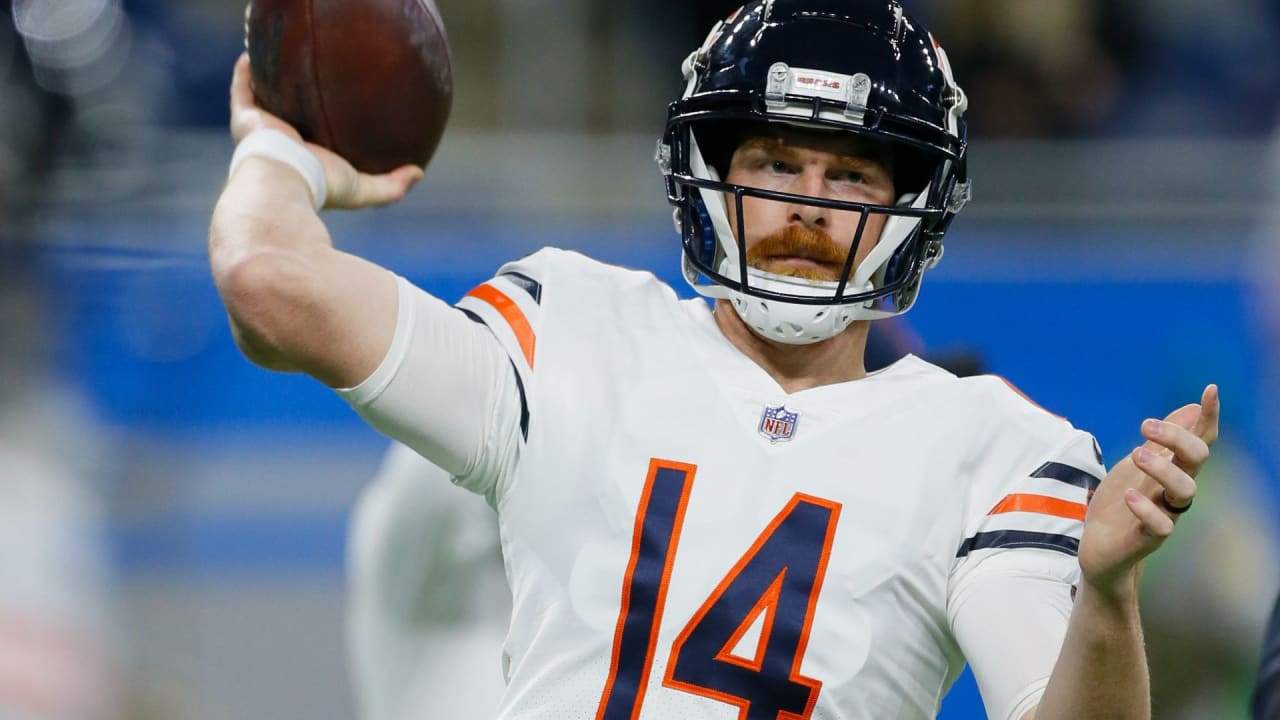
774	587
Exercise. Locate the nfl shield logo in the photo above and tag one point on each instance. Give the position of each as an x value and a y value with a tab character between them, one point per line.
777	424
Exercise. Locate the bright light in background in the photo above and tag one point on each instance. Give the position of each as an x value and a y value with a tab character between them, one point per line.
54	20
76	46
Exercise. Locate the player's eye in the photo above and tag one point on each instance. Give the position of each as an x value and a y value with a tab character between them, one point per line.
780	167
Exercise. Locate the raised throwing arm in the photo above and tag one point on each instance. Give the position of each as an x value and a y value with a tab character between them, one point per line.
296	303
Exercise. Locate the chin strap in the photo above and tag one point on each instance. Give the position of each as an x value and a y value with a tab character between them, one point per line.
788	322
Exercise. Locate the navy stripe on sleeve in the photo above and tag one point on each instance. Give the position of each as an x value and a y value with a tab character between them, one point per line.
1019	539
526	283
1068	475
524	402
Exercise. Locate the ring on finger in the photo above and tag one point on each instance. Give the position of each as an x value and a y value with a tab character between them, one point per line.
1170	507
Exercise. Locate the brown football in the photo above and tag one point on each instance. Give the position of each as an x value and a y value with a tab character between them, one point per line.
371	80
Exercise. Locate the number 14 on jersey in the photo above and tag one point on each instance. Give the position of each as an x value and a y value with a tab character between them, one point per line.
774	586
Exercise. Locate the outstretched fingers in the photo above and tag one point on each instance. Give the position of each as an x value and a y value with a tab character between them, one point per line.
1188	450
1206	427
1177	448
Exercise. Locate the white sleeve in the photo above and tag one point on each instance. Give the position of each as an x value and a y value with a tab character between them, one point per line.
1010	593
447	389
1011	625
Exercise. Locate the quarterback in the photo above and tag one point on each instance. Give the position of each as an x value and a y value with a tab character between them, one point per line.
711	510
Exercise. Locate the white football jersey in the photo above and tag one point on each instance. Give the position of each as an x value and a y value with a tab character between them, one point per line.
685	540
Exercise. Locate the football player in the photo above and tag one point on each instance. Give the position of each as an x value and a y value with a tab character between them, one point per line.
712	510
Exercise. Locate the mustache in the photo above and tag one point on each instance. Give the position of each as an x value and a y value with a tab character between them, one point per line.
798	241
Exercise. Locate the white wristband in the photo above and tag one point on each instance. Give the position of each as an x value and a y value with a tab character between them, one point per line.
274	144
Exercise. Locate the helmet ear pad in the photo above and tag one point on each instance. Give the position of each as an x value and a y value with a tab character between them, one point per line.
899	264
705	228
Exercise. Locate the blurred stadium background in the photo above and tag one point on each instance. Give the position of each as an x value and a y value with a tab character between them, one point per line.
173	518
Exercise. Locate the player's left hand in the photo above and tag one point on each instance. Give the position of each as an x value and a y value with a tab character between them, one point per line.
1134	510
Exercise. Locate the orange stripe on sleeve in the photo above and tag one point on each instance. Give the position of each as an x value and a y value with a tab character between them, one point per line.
510	312
1039	504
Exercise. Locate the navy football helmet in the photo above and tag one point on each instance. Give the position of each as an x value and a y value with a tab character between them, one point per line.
846	66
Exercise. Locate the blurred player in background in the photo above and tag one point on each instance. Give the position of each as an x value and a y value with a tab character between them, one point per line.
427	603
59	642
703	510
